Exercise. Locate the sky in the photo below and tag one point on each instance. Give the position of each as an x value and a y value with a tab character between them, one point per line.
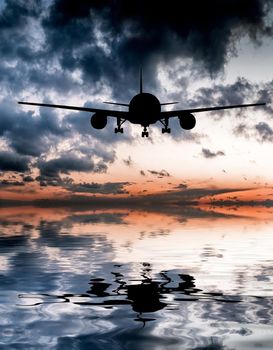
86	52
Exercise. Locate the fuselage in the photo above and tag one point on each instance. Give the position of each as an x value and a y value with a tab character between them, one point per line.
144	109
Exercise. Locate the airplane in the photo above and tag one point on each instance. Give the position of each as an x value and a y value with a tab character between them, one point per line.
144	109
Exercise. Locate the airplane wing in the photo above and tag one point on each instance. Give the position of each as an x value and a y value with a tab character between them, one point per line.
108	112
169	114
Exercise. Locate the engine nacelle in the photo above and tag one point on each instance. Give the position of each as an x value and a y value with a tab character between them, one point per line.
98	121
187	121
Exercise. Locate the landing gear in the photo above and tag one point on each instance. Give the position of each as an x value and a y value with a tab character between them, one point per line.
145	132
167	130
165	123
119	128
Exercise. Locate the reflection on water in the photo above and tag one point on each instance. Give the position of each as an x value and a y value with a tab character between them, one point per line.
134	280
146	295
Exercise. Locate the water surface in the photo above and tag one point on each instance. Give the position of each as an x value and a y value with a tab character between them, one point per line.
117	279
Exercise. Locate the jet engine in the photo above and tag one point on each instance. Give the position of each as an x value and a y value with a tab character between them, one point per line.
187	121
98	121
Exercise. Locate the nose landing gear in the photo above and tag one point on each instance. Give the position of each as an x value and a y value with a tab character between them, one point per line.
145	132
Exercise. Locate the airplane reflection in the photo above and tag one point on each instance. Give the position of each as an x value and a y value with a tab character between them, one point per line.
144	295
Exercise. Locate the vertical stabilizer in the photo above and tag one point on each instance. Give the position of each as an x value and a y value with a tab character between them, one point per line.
140	81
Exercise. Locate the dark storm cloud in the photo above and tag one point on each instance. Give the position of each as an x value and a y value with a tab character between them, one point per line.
109	40
209	154
162	173
28	134
147	31
32	136
10	161
51	171
64	165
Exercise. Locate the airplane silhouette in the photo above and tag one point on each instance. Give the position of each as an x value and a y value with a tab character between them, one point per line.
144	109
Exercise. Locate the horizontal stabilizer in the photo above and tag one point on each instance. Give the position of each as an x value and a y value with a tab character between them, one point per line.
117	103
168	103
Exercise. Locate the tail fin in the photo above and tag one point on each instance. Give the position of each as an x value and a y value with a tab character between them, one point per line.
140	81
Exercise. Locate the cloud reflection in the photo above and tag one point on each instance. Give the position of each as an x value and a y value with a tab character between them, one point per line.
93	277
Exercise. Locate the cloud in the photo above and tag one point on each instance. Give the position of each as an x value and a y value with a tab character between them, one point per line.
28	134
181	186
64	165
221	95
237	203
169	202
32	138
61	48
8	183
118	31
209	154
264	131
51	170
241	129
160	174
80	122
95	218
128	161
10	161
93	187
28	178
107	41
242	91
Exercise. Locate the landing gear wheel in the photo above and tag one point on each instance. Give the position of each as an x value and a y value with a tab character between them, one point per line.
165	123
145	132
119	123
